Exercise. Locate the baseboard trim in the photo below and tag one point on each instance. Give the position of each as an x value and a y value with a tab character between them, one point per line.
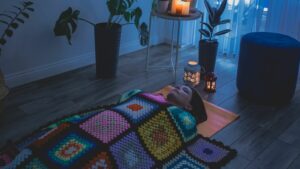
40	72
48	70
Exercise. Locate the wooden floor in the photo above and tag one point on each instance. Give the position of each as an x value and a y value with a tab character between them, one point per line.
265	137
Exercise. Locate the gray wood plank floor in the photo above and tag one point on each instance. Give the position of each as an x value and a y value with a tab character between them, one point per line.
266	137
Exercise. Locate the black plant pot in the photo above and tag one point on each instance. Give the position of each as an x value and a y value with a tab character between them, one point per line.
107	46
207	54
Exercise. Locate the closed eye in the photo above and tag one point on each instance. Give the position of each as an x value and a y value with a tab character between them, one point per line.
186	90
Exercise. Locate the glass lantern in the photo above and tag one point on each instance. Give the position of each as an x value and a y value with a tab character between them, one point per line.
210	82
192	73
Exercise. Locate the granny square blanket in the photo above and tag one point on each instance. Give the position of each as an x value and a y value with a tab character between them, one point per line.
141	132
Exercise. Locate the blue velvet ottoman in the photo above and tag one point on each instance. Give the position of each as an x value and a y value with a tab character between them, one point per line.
268	67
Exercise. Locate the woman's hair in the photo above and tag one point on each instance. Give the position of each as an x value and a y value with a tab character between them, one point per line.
198	108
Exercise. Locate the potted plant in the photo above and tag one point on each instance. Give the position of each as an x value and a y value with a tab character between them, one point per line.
208	48
11	20
107	34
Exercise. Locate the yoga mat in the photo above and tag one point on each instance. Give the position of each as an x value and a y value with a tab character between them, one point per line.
217	117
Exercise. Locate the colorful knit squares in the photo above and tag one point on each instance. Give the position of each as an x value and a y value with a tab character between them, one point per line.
207	152
155	97
129	153
184	161
21	157
136	109
185	122
101	161
35	164
159	136
70	149
128	95
106	126
44	139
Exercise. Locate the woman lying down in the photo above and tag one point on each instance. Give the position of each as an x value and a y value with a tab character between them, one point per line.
143	130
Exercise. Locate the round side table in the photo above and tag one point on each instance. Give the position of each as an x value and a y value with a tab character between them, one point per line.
191	17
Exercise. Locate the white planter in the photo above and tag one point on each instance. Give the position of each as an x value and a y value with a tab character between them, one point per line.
162	6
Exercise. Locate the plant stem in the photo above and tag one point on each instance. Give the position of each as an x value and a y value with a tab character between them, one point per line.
87	21
109	22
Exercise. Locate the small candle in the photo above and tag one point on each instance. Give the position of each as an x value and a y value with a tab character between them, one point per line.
192	63
173	7
185	8
180	7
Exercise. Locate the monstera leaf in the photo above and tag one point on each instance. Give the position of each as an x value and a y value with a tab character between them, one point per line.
121	12
66	24
12	19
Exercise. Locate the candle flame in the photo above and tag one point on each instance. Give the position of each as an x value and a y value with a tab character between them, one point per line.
192	63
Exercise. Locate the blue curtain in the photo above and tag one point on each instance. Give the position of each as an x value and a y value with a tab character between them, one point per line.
281	16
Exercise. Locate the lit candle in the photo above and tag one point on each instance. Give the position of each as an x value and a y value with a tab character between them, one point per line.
192	63
185	8
180	7
173	7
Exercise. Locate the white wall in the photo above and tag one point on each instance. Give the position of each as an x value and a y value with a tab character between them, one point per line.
34	52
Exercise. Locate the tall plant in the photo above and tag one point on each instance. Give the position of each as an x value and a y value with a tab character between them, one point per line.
13	18
214	20
121	12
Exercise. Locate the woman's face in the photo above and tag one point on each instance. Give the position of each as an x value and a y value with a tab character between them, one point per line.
181	96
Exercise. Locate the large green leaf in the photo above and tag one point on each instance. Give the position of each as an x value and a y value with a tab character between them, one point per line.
8	16
2	41
30	9
1	21
14	25
20	20
210	28
66	24
127	16
224	21
9	32
222	32
28	3
113	6
221	8
209	9
137	16
205	32
26	15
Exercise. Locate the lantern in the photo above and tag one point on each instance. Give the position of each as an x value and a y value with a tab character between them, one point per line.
210	82
192	73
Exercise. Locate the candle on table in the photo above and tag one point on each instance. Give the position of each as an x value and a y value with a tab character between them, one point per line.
185	8
180	7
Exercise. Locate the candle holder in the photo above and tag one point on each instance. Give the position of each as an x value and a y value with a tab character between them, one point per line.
210	82
192	73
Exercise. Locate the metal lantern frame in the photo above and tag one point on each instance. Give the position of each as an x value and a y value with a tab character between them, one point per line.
210	82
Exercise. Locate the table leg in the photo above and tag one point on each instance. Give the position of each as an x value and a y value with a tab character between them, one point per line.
149	43
177	51
202	20
172	47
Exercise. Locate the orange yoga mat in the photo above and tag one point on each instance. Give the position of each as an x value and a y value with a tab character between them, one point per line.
218	118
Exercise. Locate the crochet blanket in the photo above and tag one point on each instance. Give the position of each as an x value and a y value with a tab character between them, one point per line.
141	132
